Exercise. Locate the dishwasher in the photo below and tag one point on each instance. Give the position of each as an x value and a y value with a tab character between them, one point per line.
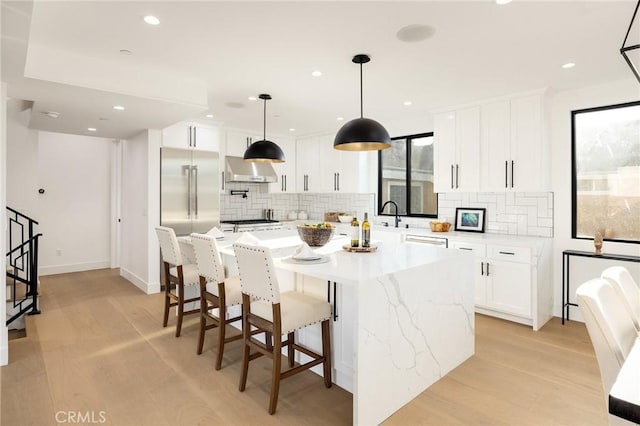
423	239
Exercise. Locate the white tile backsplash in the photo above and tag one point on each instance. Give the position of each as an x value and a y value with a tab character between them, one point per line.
521	213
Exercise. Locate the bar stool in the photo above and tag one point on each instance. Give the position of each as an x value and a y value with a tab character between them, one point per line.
177	273
216	291
275	313
622	281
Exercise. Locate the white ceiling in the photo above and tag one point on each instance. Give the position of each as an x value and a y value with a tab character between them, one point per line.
203	56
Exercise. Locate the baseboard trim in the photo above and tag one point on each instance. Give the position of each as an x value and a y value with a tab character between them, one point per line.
74	267
148	288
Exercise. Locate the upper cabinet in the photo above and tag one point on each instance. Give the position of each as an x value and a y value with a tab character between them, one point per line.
237	142
494	146
308	164
190	135
513	145
286	171
457	150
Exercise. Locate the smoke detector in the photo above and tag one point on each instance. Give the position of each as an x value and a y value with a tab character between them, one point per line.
51	114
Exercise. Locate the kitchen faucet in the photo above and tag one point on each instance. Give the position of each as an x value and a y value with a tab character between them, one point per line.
396	206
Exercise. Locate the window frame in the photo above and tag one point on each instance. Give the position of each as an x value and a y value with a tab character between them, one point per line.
408	139
574	177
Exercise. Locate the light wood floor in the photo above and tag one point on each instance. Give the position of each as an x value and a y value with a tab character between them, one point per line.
99	346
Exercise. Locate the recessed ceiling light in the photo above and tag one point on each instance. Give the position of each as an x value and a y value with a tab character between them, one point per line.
126	51
451	116
340	119
209	115
568	65
316	73
252	98
292	129
503	1
407	103
118	107
51	114
151	20
92	129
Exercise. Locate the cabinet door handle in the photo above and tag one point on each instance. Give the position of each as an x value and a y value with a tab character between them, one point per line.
285	183
334	182
465	248
189	135
335	302
506	167
452	176
507	252
481	268
457	176
338	181
195	137
281	182
222	181
487	268
512	176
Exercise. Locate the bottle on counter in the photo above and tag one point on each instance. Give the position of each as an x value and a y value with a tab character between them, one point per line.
355	232
366	232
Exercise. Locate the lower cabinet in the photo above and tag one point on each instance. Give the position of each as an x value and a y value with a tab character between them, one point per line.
508	284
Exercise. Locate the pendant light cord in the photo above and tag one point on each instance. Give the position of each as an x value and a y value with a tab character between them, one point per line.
264	121
361	114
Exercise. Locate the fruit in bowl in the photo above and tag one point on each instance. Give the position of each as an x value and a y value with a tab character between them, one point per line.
439	226
345	218
316	235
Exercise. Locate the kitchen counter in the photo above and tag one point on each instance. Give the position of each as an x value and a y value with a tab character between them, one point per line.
403	315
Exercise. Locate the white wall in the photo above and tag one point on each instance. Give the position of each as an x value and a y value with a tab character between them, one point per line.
140	261
562	103
74	211
22	151
4	343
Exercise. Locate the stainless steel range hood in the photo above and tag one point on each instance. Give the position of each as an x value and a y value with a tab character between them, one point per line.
238	170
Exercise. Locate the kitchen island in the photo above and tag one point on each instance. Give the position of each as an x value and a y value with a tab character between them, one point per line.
403	315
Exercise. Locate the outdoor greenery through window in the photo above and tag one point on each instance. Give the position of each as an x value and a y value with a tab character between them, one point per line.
405	176
606	172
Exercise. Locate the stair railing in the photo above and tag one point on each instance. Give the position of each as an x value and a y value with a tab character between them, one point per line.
22	264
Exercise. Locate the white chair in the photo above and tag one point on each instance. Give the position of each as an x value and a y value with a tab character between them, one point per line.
216	291
627	289
611	330
177	273
276	314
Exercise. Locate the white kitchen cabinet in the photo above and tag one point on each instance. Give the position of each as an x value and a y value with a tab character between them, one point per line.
508	283
189	135
237	142
457	150
323	169
514	145
286	171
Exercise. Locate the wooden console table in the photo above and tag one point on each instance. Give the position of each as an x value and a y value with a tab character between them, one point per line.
566	256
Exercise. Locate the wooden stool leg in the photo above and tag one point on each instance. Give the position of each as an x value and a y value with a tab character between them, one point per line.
167	299
326	352
221	334
290	352
180	307
203	313
245	342
275	376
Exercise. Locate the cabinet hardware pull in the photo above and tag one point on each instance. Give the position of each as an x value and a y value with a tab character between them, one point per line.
506	173
281	182
457	180
481	268
465	248
285	183
189	135
195	137
512	176
335	185
487	268
338	181
222	184
335	302
452	176
507	252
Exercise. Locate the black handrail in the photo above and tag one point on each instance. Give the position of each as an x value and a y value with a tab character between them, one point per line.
23	259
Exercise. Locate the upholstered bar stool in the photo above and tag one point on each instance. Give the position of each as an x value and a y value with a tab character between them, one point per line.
277	314
611	330
177	273
627	289
216	291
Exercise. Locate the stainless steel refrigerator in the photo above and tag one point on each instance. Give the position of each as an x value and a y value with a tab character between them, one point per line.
189	190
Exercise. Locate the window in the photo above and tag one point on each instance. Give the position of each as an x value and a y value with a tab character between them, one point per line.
408	164
606	172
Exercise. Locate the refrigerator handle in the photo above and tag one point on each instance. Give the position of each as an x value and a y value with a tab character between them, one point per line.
188	170
195	188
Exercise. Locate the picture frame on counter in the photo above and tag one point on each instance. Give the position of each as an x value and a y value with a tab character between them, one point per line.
470	219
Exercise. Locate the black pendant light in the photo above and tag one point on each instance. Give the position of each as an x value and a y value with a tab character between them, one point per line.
264	150
624	49
362	134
